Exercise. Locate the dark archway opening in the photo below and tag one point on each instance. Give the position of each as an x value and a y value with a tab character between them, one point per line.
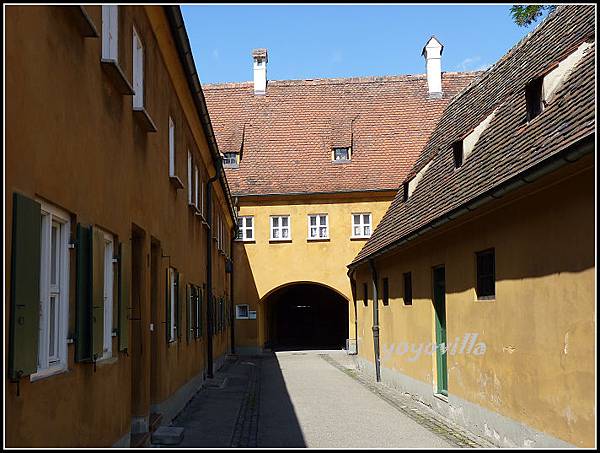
306	316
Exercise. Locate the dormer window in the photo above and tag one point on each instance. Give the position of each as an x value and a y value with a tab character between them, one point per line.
458	152
341	154
231	160
405	191
533	98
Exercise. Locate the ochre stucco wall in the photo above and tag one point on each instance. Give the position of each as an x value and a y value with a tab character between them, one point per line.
538	366
263	266
72	140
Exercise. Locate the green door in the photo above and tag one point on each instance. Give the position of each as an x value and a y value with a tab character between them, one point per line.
439	304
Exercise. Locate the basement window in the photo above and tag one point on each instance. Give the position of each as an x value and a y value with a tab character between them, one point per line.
341	154
407	288
457	151
533	98
486	275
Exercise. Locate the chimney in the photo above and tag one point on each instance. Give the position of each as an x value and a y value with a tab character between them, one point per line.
260	70
433	56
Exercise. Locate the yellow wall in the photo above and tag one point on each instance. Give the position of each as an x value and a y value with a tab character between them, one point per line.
263	266
538	367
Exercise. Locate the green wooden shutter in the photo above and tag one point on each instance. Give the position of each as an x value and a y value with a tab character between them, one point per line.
83	309
168	306
98	293
188	311
124	294
25	287
199	312
179	296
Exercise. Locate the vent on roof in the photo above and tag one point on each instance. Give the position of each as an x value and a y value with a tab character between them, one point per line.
457	151
410	185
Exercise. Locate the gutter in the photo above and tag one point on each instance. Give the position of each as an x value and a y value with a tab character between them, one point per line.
182	43
209	289
567	155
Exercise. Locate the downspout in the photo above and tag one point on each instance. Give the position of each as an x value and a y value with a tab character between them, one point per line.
209	292
231	292
375	321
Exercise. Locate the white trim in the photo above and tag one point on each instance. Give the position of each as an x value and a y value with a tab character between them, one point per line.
280	228
53	214
110	32
318	226
197	179
171	147
244	228
361	225
138	71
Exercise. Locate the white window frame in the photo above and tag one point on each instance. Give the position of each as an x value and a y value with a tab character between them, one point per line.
110	32
190	181
50	215
171	147
227	156
237	311
138	71
318	226
347	148
197	179
173	297
244	228
109	250
362	225
280	228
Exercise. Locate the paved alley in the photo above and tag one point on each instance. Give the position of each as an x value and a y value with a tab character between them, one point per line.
305	399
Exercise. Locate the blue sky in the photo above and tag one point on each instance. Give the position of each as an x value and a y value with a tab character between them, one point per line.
316	41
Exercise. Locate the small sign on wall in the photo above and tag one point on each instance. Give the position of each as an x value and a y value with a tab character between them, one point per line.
252	315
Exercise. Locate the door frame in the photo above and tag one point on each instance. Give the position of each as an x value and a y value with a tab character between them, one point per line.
441	333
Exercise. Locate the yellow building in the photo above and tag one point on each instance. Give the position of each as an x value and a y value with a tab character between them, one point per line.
118	226
477	289
313	166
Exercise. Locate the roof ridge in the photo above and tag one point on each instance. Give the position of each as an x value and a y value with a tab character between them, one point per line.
339	80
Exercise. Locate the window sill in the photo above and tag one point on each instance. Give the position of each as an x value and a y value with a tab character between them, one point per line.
144	119
114	71
360	238
176	182
341	161
274	241
483	299
84	22
49	372
317	239
231	166
107	361
246	241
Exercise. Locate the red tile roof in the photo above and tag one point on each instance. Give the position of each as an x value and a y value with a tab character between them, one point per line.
510	145
286	136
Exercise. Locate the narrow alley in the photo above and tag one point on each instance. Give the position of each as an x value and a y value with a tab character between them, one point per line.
309	399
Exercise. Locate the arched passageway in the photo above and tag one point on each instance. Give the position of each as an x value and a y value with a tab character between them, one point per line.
306	316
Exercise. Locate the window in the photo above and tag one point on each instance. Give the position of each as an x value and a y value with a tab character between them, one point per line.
197	181
341	154
54	287
108	294
190	181
318	226
171	325
486	275
280	228
365	294
138	72
110	32
361	225
407	288
171	147
245	228
242	311
231	159
533	98
386	292
457	151
405	191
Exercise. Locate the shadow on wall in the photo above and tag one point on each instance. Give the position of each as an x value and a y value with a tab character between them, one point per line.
279	425
245	292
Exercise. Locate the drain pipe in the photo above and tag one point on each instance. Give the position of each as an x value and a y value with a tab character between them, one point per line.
375	321
209	291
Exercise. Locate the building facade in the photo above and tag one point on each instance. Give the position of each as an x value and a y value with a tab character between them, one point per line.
476	292
118	224
313	166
